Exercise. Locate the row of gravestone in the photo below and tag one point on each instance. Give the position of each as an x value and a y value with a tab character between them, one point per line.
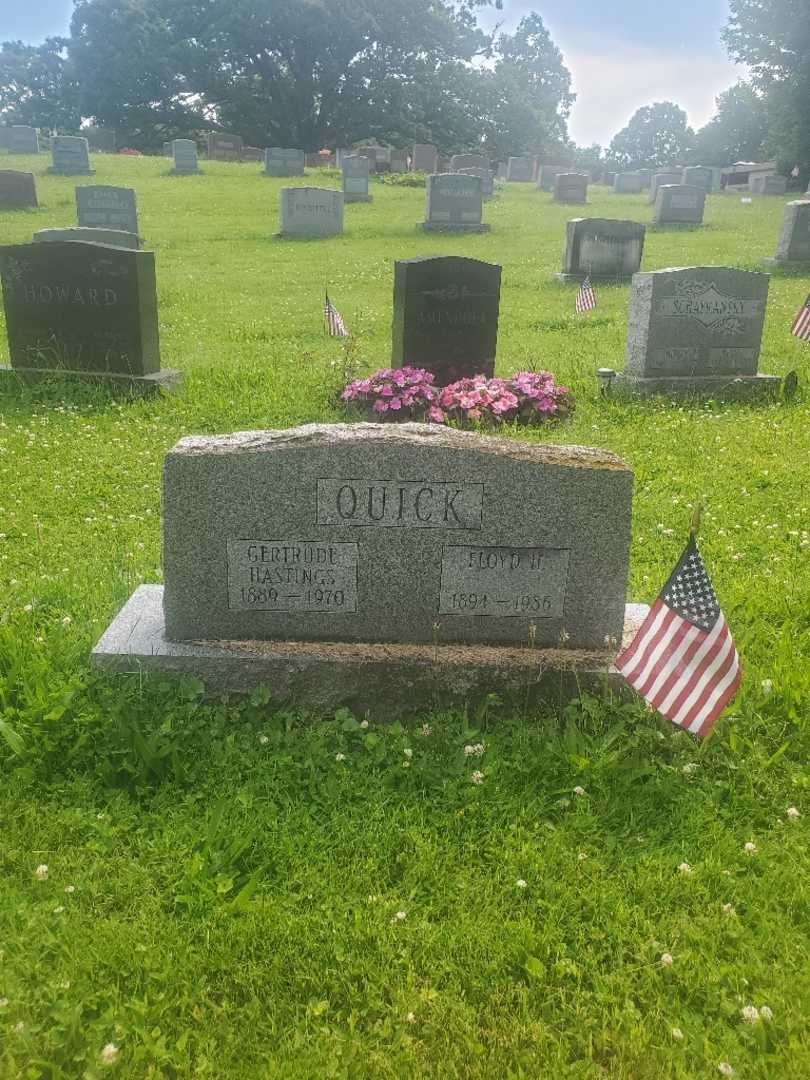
22	139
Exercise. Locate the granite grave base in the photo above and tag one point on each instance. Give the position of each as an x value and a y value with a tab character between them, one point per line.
383	680
451	227
725	387
125	385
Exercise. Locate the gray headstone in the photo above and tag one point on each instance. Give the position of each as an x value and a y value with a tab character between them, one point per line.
311	211
355	169
115	237
646	177
520	169
18	190
628	183
222	147
399	161
424	158
70	156
602	248
570	187
446	316
80	307
453	203
679	204
99	206
546	175
184	153
659	178
485	176
279	161
794	240
252	153
468	161
5	137
23	140
100	139
767	185
167	149
700	176
377	533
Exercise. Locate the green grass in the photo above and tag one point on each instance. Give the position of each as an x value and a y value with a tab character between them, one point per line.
235	883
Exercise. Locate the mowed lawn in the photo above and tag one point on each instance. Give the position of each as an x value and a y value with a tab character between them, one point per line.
227	896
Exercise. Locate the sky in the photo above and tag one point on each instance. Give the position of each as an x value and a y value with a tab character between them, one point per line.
622	54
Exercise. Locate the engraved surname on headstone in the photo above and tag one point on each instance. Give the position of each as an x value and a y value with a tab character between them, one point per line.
292	575
711	308
505	582
106	207
416	504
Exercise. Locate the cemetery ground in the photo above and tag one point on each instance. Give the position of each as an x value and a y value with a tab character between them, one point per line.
238	891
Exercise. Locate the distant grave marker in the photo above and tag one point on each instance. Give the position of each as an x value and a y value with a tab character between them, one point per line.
18	190
679	204
70	156
602	248
279	161
453	203
100	206
311	211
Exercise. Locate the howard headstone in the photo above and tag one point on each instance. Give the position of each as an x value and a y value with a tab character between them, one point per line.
446	316
424	158
70	156
223	147
453	203
23	140
767	185
82	309
18	190
520	169
793	248
696	330
184	154
570	187
115	237
602	248
355	169
311	211
679	204
628	183
100	206
279	161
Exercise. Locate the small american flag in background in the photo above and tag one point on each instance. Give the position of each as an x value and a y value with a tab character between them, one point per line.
586	297
801	324
683	661
335	325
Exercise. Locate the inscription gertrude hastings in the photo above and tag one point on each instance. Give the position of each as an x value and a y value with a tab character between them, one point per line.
393	533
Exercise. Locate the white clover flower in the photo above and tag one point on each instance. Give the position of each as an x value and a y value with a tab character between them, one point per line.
18	1028
582	856
750	1014
109	1054
58	910
521	884
477	777
765	1013
408	752
400	916
792	813
725	1068
340	757
427	730
677	1034
690	768
406	764
70	888
3	1002
364	725
264	739
684	868
579	790
750	848
767	687
411	1018
41	872
666	959
474	750
729	911
28	608
67	620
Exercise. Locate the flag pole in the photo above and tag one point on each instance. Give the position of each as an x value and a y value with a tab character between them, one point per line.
694	523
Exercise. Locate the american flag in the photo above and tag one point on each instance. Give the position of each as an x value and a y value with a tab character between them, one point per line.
683	661
335	326
801	324
586	297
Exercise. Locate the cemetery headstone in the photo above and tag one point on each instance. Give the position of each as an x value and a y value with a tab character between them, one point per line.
224	147
485	176
696	330
602	248
646	177
679	204
570	187
519	169
399	161
18	190
83	310
70	156
699	176
424	158
453	203
628	183
659	178
458	162
793	248
116	237
252	153
101	139
5	137
355	169
446	316
609	178
767	185
279	161
23	140
311	211
100	206
184	154
500	171
167	149
546	175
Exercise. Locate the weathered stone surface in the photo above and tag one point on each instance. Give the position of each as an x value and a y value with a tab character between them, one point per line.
646	178
570	187
73	306
223	147
184	153
446	316
23	140
100	139
702	176
376	533
468	161
311	211
115	237
668	177
696	330
5	137
279	161
546	175
167	149
386	682
425	158
252	153
628	183
679	204
18	190
70	156
398	159
100	206
793	248
767	184
355	168
453	203
520	169
602	248
487	182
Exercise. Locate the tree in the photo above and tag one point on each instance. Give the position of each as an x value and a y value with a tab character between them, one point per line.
36	86
656	135
737	131
773	38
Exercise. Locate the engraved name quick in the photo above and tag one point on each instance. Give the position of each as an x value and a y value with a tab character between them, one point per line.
414	503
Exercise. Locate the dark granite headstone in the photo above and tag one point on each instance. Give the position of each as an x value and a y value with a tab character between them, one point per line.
18	190
100	139
104	207
570	187
222	147
520	169
679	204
23	140
602	248
252	153
279	161
424	158
453	203
446	316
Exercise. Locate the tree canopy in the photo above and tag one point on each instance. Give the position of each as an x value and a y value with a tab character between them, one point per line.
656	135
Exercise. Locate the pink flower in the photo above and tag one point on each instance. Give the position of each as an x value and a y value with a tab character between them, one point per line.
395	403
380	406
